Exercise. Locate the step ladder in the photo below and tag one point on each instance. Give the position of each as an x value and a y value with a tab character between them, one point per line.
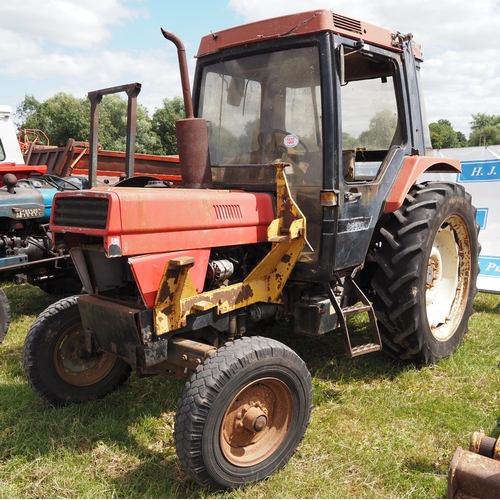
343	312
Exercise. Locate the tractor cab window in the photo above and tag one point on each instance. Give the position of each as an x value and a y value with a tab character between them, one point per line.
370	125
260	109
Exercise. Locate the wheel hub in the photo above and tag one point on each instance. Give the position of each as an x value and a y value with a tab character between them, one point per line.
75	364
256	422
253	417
434	275
446	278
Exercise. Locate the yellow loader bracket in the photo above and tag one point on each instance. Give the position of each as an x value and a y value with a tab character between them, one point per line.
177	297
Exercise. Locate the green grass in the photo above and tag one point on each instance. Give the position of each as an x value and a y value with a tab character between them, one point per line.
379	429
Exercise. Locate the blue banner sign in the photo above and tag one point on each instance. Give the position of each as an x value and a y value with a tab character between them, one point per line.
480	171
482	217
490	266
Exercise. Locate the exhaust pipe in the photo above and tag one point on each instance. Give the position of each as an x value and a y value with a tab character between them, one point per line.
192	134
476	473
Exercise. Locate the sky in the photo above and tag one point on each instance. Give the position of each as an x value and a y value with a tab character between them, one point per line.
76	46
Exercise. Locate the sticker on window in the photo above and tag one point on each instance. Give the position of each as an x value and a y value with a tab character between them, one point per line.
291	141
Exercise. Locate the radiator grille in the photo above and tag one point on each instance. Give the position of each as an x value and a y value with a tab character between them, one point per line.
81	212
228	212
347	24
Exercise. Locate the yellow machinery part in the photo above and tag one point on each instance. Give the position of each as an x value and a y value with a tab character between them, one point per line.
177	297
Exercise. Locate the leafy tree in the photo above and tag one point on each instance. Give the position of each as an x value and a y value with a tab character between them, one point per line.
481	120
64	116
462	139
348	141
28	107
485	130
60	117
163	123
485	136
381	131
113	127
444	136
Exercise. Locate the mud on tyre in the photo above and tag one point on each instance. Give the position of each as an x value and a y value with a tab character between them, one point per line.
425	280
57	363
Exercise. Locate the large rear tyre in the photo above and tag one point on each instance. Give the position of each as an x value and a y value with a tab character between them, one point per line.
243	413
4	315
57	363
427	265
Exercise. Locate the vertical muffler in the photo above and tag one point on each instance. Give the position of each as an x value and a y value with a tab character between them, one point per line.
192	133
475	473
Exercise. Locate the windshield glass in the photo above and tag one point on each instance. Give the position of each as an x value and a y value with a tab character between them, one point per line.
263	108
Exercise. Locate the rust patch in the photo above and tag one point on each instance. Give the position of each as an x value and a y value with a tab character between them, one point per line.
167	311
165	292
246	293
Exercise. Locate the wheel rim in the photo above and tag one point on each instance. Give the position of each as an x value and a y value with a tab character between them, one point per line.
448	278
75	365
256	422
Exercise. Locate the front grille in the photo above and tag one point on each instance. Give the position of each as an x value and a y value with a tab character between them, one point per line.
346	23
81	212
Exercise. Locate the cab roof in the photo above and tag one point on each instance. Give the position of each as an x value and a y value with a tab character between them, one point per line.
315	21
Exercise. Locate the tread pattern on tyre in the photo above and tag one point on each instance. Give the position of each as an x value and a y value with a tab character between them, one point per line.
399	261
4	315
37	362
204	386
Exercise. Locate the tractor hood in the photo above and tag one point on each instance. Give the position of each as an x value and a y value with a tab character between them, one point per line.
137	221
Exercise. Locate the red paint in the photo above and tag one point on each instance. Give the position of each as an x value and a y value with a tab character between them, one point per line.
147	221
413	167
148	271
21	171
316	21
111	164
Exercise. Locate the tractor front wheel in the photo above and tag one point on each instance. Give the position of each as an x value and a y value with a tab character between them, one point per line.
57	361
427	265
243	413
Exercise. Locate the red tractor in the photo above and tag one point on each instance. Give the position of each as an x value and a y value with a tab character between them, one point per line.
301	154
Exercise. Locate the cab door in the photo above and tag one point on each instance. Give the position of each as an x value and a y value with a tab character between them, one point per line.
373	141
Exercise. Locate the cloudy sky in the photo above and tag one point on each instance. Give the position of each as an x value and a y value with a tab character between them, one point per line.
75	46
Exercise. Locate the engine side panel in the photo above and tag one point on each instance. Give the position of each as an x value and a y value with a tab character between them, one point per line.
148	271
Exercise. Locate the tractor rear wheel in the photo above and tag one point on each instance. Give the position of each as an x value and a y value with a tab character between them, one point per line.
243	413
58	364
427	265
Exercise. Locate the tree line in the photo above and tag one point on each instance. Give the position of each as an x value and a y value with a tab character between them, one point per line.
64	116
485	131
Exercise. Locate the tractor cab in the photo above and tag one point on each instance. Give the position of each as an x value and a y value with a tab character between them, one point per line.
330	106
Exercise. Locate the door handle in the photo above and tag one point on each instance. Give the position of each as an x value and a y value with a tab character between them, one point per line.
352	196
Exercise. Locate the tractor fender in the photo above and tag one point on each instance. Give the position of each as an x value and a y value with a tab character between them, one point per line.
412	168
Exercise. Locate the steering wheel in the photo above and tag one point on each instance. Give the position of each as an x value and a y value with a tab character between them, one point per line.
279	148
59	182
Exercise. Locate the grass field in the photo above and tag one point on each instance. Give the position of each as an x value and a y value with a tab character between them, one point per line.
379	429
